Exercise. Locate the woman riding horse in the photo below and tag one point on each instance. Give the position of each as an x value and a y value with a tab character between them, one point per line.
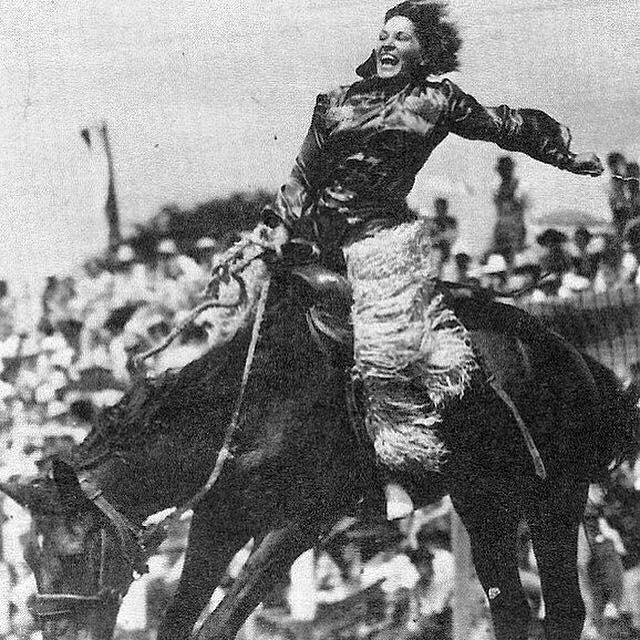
346	197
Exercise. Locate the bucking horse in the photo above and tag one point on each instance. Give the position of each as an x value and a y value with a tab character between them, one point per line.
299	462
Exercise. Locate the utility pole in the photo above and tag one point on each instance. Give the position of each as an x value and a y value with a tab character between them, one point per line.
111	203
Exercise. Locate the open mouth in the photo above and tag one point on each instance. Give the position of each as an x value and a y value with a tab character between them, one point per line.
388	60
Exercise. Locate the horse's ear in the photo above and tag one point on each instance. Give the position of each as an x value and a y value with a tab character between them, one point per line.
66	481
17	490
39	495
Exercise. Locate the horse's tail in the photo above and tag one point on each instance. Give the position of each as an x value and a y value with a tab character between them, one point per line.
618	435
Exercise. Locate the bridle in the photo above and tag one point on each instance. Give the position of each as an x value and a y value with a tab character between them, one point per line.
53	605
136	543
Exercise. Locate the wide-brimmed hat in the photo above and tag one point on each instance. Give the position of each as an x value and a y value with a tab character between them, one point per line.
496	264
205	244
125	254
167	247
574	282
551	237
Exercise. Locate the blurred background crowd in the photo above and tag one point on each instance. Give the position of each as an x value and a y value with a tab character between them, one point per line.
67	350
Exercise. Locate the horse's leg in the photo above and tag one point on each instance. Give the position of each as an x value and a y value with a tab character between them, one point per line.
554	513
211	547
268	563
491	518
591	592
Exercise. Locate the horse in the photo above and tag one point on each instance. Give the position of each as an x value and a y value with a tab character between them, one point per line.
299	465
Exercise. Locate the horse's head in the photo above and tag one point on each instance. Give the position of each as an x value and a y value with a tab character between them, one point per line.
80	573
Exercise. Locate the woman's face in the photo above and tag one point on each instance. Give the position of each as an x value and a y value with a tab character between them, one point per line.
397	50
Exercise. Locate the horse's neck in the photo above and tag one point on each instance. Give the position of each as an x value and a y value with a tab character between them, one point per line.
170	434
156	449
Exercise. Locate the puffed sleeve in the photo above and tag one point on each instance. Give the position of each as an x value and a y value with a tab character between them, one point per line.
296	198
528	131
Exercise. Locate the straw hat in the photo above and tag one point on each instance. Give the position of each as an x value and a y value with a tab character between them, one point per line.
125	254
495	264
574	282
56	409
205	244
167	247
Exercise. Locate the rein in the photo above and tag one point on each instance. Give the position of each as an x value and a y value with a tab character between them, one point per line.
154	536
139	543
226	268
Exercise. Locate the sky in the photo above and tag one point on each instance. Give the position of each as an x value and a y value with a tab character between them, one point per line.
203	98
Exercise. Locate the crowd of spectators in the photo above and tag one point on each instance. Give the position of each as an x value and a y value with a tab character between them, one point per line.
555	262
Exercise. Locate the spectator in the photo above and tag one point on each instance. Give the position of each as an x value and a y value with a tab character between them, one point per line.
633	190
618	201
463	265
494	273
555	258
585	263
444	232
7	311
510	232
205	250
609	260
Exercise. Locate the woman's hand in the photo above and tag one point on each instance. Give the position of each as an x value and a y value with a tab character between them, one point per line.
278	237
586	164
269	238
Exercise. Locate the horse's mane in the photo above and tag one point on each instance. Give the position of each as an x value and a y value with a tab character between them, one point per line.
147	410
131	417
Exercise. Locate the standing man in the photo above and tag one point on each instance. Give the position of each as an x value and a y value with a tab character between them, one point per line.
444	233
618	201
510	232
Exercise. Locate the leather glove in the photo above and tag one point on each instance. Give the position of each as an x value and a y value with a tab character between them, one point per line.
585	164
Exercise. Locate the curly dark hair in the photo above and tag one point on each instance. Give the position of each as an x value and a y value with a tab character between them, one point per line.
439	38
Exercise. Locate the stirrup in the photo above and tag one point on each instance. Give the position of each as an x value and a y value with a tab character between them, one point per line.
399	503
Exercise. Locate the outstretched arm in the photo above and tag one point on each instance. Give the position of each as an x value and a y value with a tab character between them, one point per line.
528	131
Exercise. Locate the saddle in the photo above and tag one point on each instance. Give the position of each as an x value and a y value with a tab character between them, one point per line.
328	310
484	318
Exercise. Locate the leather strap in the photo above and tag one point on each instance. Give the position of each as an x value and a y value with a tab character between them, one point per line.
50	605
129	534
538	464
156	534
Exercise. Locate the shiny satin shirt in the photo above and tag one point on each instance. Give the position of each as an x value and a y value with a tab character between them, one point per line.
367	142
